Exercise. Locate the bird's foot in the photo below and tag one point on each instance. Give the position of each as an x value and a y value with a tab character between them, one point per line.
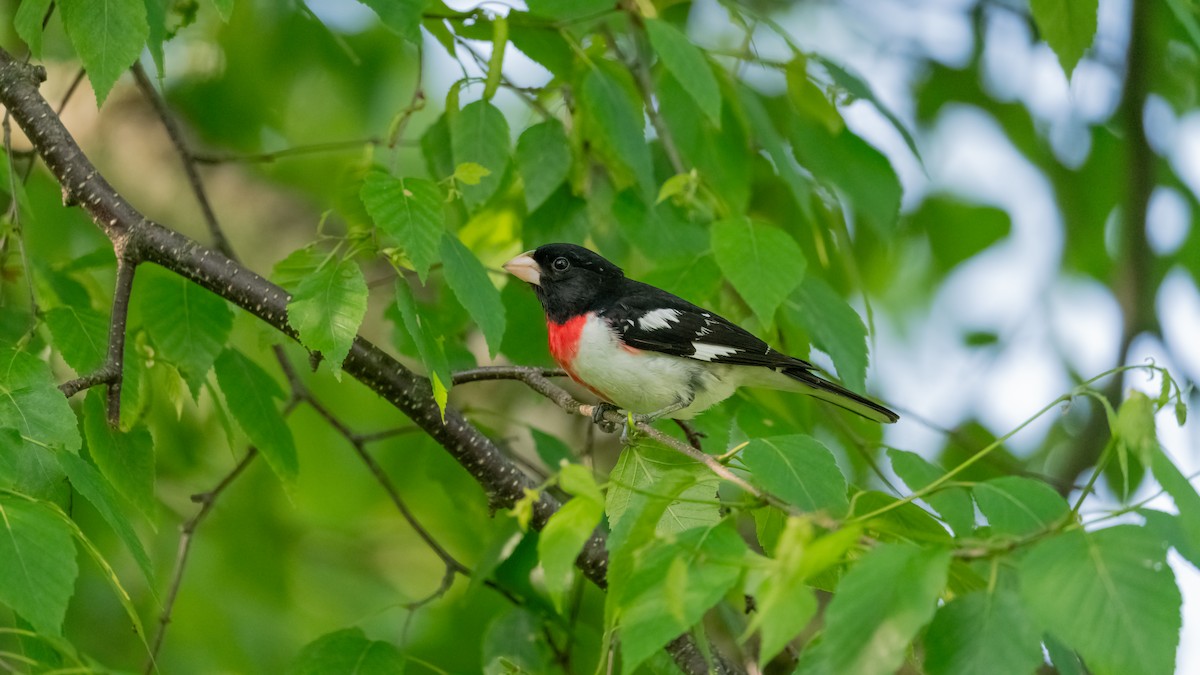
598	412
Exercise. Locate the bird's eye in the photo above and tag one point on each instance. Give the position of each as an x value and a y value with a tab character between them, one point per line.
560	264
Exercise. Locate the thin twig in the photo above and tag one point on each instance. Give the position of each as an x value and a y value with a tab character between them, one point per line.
536	380
186	533
639	64
185	155
268	157
453	566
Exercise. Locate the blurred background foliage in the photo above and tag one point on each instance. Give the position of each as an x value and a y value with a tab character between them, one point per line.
996	231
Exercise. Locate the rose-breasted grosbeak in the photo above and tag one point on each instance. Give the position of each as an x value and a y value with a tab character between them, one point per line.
653	353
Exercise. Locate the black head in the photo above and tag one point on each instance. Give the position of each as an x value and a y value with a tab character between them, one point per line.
569	279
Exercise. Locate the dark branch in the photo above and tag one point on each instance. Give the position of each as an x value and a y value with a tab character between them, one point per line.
126	266
111	372
501	479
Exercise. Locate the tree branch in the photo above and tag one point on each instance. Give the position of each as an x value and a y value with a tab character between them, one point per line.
111	372
501	479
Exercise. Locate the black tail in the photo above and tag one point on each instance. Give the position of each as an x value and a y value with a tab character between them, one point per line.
840	396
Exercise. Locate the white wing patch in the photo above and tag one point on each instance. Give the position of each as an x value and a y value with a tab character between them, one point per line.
708	352
659	318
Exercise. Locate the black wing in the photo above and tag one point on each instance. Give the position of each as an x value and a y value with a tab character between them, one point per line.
650	318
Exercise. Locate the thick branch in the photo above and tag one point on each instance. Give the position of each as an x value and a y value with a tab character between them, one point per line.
502	480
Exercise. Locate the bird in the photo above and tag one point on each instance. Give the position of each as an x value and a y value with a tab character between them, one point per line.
651	353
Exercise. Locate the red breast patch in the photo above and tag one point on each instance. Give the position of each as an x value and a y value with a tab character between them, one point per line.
564	339
564	345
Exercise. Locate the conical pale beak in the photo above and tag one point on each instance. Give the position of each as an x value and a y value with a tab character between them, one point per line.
525	268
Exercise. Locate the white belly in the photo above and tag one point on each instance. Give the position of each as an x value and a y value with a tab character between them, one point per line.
643	381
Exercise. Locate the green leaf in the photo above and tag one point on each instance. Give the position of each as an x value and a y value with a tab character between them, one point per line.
784	604
108	35
511	644
1068	26
544	161
470	173
1018	506
1186	501
550	449
31	403
347	652
28	24
700	566
251	394
982	633
31	469
772	142
189	325
327	308
769	522
720	156
613	123
808	99
873	617
125	459
1168	528
952	504
577	480
225	8
687	64
959	230
1135	430
1109	595
479	134
429	347
674	186
799	470
402	17
863	174
746	251
409	212
293	269
37	563
641	469
469	280
80	335
835	328
89	483
561	541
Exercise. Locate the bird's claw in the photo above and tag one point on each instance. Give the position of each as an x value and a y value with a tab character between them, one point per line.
598	412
